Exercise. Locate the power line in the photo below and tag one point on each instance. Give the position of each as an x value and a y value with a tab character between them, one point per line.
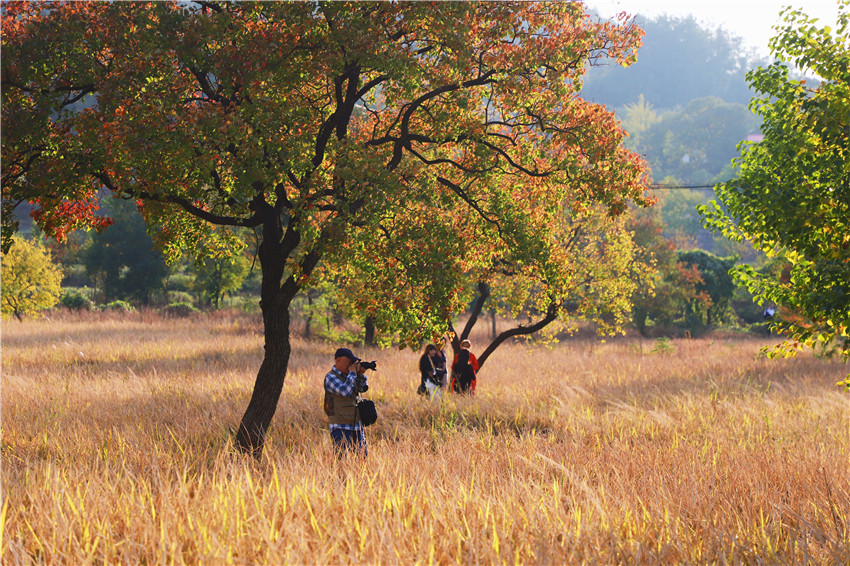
675	187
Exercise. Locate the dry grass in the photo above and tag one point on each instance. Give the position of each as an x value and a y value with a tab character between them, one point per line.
116	447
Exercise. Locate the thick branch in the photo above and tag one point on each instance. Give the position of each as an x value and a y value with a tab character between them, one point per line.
483	295
217	219
405	137
551	315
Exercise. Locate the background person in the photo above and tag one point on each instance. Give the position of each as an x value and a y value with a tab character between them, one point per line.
464	370
430	375
342	384
439	359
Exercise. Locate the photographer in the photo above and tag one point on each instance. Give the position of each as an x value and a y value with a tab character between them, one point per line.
342	384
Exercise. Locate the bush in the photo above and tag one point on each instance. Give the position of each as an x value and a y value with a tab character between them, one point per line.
177	297
180	310
180	282
74	299
118	306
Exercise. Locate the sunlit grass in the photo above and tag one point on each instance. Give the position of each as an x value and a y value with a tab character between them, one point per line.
116	447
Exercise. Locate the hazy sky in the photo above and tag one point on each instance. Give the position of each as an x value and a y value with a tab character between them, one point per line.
750	19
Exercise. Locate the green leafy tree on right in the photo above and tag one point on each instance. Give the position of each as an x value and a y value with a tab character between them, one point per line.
792	195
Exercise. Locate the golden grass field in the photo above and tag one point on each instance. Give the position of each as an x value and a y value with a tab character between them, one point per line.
116	448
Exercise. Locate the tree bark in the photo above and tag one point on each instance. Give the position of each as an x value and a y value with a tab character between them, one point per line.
369	338
275	299
251	435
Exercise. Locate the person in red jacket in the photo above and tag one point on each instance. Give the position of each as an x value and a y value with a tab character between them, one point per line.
464	370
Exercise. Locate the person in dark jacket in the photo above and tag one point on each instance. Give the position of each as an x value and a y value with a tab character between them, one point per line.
464	370
432	368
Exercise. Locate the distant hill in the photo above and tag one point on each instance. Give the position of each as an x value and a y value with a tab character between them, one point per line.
680	61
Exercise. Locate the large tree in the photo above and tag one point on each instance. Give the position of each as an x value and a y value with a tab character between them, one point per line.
312	123
792	195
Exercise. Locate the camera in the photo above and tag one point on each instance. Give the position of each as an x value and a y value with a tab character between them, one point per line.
373	365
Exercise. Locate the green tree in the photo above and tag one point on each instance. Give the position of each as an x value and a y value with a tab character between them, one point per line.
219	276
638	117
122	260
695	143
315	123
791	198
792	195
715	283
31	281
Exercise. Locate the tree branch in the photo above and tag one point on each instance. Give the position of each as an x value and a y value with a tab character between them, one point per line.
459	191
551	315
185	204
483	295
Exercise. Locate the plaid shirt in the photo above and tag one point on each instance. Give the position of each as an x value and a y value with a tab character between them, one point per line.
343	385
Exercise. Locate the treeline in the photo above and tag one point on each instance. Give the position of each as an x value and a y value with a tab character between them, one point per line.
684	104
676	290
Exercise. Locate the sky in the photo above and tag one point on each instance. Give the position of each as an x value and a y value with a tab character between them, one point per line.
751	20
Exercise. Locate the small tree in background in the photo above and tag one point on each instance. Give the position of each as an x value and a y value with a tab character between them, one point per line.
122	260
219	276
31	282
664	287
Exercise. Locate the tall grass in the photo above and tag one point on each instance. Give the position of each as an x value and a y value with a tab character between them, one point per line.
117	447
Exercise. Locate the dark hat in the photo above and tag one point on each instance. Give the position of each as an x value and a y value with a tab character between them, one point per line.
346	353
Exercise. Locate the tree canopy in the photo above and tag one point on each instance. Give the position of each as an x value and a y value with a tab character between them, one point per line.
792	195
316	124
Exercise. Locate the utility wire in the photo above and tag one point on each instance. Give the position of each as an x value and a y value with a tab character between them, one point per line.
674	187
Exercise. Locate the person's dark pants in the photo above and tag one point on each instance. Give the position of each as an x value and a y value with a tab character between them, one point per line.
348	440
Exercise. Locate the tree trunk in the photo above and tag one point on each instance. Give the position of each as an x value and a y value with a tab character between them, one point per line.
267	389
309	318
275	299
369	338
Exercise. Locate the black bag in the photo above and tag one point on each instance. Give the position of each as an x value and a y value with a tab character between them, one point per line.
368	414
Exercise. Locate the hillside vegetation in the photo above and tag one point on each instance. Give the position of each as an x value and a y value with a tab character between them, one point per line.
117	448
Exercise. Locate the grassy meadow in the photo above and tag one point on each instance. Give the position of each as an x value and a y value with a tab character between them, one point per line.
116	448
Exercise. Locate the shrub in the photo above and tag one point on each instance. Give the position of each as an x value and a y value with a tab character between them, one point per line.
118	306
74	299
180	310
